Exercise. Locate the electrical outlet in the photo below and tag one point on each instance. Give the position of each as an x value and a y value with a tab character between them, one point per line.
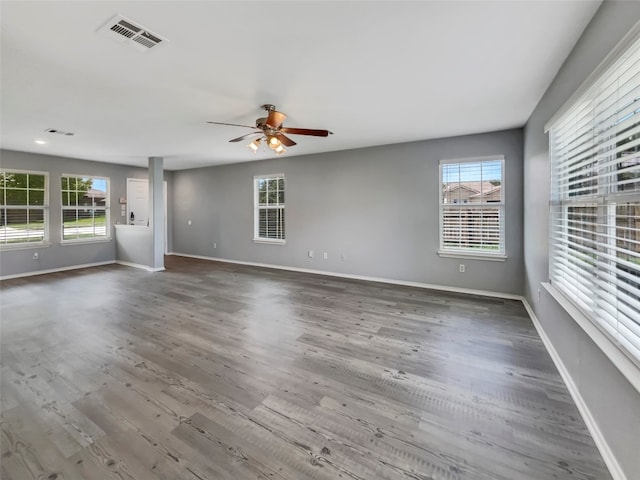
325	255
189	222
35	255
215	245
462	268
538	294
310	253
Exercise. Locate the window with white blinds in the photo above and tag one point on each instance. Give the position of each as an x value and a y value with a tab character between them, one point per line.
85	208
269	207
472	207
24	208
595	202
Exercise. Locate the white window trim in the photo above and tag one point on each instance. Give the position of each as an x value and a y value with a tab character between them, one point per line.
24	246
627	365
468	254
79	241
462	254
45	208
609	60
256	210
617	354
273	241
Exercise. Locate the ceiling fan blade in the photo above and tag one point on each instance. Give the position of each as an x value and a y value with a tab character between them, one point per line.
275	119
232	124
306	131
286	141
242	137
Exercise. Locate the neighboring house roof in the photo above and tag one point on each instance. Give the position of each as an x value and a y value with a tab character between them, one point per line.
491	191
475	187
92	193
94	197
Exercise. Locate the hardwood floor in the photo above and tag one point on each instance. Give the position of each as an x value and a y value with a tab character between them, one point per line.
221	371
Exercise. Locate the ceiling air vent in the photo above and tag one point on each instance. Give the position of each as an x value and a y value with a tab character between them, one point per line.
125	30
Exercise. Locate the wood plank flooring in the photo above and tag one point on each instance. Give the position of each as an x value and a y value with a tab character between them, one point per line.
220	371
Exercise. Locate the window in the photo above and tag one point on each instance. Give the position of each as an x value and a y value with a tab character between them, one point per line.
269	208
24	209
472	207
85	208
595	202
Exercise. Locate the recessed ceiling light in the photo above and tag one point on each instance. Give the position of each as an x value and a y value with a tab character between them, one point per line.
40	142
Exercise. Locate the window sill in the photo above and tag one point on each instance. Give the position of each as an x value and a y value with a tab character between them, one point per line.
623	362
269	241
23	246
478	256
66	243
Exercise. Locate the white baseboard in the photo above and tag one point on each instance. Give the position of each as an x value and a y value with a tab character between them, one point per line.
56	270
139	265
592	426
391	281
601	443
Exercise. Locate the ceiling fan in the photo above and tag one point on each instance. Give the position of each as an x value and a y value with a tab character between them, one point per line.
272	132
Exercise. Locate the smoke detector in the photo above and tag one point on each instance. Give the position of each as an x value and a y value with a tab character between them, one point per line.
127	31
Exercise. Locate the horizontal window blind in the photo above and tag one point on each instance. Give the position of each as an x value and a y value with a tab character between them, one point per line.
595	202
23	207
271	223
269	207
472	228
85	207
472	206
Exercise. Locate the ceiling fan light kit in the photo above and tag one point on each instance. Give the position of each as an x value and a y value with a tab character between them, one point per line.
273	143
255	145
271	130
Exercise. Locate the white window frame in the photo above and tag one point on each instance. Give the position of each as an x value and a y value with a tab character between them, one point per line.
44	207
257	207
107	208
589	304
444	251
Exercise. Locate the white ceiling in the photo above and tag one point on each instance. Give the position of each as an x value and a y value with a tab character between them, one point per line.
372	72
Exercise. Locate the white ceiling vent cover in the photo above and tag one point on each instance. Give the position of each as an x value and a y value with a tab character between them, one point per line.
124	30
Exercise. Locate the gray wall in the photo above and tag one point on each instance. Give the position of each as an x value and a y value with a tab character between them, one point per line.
134	245
614	403
13	262
375	207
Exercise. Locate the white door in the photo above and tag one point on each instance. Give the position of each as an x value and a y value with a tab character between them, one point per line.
138	204
137	201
